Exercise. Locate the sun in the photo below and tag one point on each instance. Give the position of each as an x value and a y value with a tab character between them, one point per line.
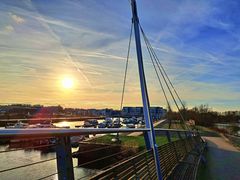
67	83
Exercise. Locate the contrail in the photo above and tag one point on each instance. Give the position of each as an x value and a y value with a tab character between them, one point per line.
66	53
78	53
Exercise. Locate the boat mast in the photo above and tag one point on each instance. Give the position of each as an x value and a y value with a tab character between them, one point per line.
150	139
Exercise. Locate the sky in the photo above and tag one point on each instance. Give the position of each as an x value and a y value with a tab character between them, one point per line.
43	42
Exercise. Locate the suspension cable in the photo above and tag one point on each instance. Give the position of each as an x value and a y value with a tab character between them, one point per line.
159	67
125	73
126	67
171	84
175	102
155	68
160	82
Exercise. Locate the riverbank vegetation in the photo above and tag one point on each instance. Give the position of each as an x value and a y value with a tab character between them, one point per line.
129	141
203	115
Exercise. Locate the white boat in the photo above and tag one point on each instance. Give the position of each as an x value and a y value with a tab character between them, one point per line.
21	125
102	125
90	123
130	125
75	140
45	124
18	125
132	120
108	120
116	123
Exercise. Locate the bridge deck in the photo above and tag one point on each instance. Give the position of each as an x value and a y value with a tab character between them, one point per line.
223	160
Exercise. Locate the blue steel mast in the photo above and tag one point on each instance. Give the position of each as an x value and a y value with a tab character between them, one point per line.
150	139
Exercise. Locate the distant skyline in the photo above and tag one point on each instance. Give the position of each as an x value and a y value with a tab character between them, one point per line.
73	52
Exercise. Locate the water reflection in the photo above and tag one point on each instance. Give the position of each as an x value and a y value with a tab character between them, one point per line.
23	157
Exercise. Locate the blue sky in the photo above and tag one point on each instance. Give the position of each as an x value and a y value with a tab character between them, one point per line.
43	41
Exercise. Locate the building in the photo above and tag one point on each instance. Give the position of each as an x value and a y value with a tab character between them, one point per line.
155	112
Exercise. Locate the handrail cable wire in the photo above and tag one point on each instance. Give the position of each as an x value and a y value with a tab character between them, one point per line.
26	165
157	62
93	150
96	160
50	175
84	164
30	147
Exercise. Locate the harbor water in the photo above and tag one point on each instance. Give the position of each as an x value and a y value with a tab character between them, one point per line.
23	157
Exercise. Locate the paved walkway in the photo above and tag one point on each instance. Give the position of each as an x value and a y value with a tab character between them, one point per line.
140	133
223	160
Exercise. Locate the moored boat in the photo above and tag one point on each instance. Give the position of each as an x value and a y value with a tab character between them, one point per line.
90	123
18	125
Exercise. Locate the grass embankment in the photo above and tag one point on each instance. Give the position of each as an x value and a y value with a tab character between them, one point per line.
173	126
130	141
204	131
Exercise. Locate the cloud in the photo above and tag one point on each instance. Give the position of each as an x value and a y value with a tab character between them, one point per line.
197	43
8	29
17	19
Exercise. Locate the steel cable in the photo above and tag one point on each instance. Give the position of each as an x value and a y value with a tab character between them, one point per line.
26	165
153	54
126	67
84	164
30	147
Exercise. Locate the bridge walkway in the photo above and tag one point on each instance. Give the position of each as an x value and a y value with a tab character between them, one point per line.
223	160
155	125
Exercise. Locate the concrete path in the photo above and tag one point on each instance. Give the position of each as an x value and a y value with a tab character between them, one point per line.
223	160
140	133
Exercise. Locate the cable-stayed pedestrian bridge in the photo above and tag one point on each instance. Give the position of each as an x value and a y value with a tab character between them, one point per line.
179	157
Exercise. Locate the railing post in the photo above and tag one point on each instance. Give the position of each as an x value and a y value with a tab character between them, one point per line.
180	137
64	159
168	136
186	135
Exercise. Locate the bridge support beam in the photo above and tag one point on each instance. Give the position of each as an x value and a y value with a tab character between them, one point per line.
150	138
64	159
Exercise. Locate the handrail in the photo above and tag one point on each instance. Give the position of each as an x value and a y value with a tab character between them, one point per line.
57	132
63	146
61	132
26	165
121	164
169	160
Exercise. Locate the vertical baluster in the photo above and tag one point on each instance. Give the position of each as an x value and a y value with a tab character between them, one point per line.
64	159
182	140
168	136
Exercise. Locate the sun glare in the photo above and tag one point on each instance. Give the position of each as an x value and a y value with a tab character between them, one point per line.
67	83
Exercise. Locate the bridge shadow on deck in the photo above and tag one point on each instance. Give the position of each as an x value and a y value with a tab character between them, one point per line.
223	161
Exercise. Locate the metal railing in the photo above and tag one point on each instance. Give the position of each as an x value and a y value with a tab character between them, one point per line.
64	162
